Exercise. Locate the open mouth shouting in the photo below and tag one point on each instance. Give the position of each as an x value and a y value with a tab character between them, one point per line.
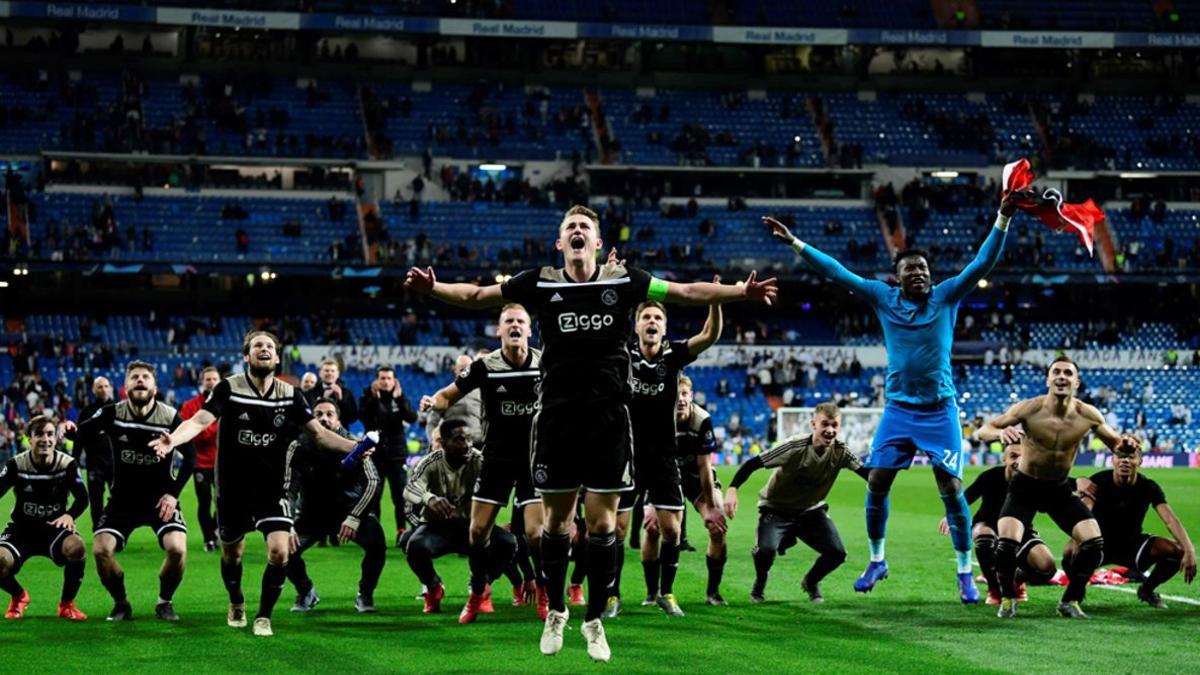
578	242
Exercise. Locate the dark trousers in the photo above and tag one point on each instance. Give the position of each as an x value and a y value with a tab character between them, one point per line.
434	540
395	473
814	527
370	537
205	480
96	484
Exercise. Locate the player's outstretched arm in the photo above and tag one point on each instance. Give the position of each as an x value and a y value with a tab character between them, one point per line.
711	332
1188	564
442	399
183	433
1105	433
470	296
958	286
1006	427
326	439
707	293
828	267
748	467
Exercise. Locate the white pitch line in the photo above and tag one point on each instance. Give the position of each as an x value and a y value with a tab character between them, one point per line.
1175	598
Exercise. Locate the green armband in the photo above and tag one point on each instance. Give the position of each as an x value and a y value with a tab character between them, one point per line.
657	290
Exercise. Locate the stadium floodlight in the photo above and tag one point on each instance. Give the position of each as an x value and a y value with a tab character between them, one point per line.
493	167
1136	175
944	174
3	284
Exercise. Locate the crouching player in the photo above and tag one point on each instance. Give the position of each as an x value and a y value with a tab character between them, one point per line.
42	523
695	443
792	505
330	500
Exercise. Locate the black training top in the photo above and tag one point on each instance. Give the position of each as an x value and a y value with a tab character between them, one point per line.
1121	509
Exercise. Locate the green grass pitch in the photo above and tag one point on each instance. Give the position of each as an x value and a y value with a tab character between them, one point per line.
913	622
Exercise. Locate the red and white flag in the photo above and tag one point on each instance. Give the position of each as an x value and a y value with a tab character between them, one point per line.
1051	208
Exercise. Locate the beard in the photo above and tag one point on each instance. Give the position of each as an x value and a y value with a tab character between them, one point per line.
261	372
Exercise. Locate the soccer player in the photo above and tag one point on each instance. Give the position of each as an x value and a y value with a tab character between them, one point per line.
507	380
468	408
582	433
656	367
1050	429
262	416
144	493
205	444
329	500
792	505
42	523
1122	498
440	493
695	443
1035	562
918	330
99	471
386	410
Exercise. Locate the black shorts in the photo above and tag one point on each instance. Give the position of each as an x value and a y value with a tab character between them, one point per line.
588	447
237	515
1132	552
120	521
499	477
691	485
26	541
658	482
1056	498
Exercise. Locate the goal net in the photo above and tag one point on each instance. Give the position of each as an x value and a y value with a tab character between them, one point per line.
858	426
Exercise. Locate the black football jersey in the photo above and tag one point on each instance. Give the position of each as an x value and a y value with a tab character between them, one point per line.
1121	509
655	385
991	487
695	438
41	493
140	477
584	327
510	399
255	432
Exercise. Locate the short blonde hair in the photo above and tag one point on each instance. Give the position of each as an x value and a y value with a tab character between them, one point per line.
581	210
685	381
828	409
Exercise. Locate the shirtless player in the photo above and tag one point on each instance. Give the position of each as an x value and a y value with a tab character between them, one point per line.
1050	429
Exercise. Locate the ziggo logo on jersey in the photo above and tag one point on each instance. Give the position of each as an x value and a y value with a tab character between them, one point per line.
256	440
571	322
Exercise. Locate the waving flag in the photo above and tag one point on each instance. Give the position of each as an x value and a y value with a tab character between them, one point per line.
1051	208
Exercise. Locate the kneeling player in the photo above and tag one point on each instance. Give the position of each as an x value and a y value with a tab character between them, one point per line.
792	504
42	523
1122	498
143	491
332	501
440	493
695	443
1035	562
507	380
1049	429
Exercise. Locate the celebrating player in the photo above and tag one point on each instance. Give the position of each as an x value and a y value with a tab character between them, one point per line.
329	500
96	461
582	434
1121	499
921	414
792	505
695	443
386	410
1035	562
656	367
1050	429
440	491
42	523
205	444
144	493
508	379
262	416
468	408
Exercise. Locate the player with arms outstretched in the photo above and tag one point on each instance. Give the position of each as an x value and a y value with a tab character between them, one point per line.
918	320
260	417
1050	429
582	433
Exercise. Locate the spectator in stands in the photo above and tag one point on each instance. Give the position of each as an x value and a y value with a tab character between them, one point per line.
242	240
1148	393
1181	414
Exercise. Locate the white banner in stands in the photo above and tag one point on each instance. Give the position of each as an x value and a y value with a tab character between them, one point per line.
429	359
228	18
1106	358
520	29
779	36
1047	39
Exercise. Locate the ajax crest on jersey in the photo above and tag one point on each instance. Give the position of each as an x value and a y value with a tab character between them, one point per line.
540	476
609	297
661	370
279	420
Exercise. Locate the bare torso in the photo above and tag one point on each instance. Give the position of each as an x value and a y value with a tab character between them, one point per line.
1052	437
